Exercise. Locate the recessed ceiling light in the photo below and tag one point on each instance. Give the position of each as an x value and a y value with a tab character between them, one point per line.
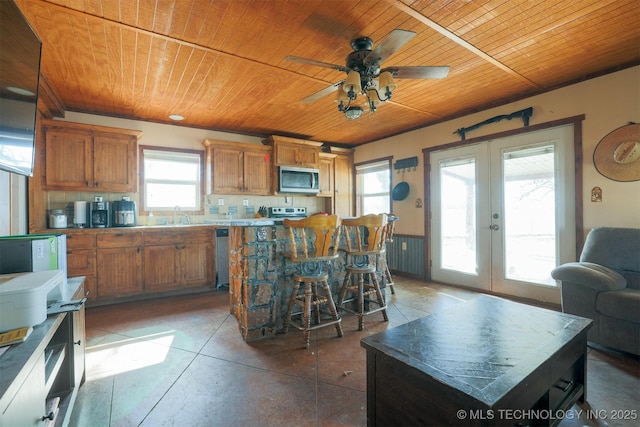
20	91
176	117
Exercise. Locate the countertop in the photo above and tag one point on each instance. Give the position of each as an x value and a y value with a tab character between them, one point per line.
209	222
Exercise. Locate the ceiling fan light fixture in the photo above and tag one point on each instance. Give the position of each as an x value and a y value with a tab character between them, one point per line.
341	96
373	99
353	112
352	85
387	84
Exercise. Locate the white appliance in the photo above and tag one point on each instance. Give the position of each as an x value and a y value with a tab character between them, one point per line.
24	297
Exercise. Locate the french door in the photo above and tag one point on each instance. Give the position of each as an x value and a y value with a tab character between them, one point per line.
503	213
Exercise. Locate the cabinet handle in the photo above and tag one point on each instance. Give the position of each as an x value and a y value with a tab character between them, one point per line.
568	386
77	342
51	416
97	184
86	183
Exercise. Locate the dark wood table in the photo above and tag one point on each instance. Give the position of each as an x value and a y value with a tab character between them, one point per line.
487	361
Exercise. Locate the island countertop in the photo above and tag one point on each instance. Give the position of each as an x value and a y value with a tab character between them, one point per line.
261	277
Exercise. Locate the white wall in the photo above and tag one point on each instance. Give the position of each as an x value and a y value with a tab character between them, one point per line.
161	134
607	102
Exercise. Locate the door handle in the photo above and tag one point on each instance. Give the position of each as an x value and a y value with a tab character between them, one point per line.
494	227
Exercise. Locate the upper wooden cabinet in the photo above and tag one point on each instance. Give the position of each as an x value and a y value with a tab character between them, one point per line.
294	152
89	158
236	168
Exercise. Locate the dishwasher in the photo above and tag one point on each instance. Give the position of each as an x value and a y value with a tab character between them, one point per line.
222	258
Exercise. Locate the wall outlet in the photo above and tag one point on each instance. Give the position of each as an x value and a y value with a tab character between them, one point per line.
404	246
220	202
245	202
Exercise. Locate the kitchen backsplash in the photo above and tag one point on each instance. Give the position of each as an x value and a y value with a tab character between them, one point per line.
236	206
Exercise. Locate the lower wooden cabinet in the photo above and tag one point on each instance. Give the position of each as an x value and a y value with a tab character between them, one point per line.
128	262
177	259
120	271
119	264
81	259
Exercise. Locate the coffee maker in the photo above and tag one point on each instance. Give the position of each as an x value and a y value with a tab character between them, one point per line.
98	213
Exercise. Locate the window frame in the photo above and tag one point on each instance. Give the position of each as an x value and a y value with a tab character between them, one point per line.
201	154
358	190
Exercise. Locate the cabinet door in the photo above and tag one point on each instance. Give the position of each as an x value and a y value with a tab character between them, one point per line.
161	270
81	262
308	156
28	405
119	271
286	154
227	170
78	344
296	155
343	198
114	162
196	267
68	161
257	172
326	177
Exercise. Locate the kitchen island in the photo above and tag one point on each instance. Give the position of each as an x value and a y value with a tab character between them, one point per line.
260	275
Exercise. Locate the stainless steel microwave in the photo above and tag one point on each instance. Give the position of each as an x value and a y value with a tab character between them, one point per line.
293	179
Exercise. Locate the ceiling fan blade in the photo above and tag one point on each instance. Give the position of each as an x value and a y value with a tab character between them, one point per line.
426	72
321	94
394	41
316	63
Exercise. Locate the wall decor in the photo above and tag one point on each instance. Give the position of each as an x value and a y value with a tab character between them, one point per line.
617	155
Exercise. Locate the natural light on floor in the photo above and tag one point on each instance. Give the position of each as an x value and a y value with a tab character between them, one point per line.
112	358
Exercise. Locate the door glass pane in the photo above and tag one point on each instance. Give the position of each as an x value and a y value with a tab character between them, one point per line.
529	214
458	215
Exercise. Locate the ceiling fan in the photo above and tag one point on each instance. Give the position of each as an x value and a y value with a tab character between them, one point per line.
363	67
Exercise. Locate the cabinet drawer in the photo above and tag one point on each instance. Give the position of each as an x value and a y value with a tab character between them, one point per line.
117	240
81	241
175	237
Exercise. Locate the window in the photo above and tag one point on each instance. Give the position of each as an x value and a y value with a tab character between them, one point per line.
373	187
170	178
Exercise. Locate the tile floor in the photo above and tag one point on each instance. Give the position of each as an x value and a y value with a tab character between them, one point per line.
182	362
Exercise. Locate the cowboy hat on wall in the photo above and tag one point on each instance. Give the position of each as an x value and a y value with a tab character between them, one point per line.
617	155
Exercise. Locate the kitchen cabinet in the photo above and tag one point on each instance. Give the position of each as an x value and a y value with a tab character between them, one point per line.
48	366
344	184
89	158
119	261
125	263
176	259
294	152
327	179
81	258
237	168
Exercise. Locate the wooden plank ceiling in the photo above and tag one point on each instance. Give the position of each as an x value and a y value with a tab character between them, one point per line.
220	64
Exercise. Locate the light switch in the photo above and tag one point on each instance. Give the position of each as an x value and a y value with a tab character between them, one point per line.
220	202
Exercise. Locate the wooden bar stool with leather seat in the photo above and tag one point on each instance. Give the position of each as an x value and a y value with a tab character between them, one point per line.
365	240
391	226
313	243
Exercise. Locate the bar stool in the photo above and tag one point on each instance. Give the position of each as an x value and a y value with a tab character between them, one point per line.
391	226
365	239
314	243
